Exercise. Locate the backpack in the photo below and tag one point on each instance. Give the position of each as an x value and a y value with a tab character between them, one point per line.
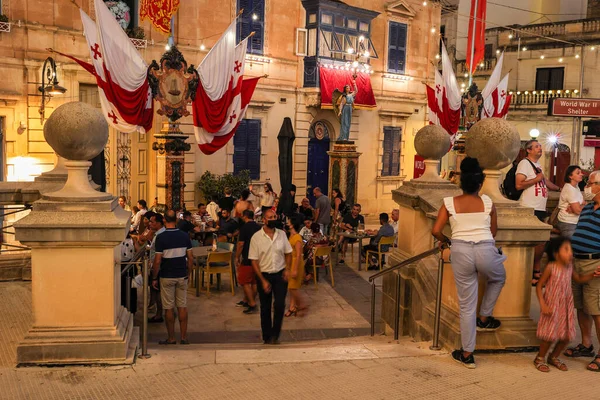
509	186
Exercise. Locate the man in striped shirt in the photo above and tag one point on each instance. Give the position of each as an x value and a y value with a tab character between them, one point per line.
172	262
586	251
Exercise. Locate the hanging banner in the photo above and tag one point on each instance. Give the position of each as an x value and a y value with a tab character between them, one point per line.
419	166
331	79
159	12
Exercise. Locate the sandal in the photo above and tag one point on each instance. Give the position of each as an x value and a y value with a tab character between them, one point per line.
555	362
184	341
540	364
155	320
535	277
580	351
290	312
167	341
595	362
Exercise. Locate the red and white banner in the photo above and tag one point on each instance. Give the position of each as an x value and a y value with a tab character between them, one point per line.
501	98
476	37
331	79
159	12
120	71
491	85
444	101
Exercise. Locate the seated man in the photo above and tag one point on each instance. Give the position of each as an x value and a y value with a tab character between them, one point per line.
185	224
350	224
306	232
386	230
306	209
227	228
203	216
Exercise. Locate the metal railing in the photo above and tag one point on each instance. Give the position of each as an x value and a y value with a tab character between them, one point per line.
140	258
438	300
8	229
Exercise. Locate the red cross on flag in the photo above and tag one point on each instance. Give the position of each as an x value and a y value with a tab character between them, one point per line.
120	71
445	100
223	95
501	98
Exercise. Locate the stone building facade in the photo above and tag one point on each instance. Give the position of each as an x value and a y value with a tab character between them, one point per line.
284	53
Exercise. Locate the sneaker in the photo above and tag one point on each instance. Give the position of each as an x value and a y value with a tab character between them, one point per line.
469	362
275	341
241	304
491	324
250	310
341	261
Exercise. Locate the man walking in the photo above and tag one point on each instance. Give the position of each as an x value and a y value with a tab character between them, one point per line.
172	262
530	179
322	212
270	252
586	254
244	265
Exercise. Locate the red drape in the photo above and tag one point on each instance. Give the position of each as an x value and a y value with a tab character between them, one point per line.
211	115
159	12
331	79
476	33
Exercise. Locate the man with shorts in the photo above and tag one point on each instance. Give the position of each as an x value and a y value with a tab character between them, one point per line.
530	179
172	262
245	273
586	254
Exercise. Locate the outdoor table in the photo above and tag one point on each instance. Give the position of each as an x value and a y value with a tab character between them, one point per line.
203	252
359	238
201	236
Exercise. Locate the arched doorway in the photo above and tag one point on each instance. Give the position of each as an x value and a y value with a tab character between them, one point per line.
318	159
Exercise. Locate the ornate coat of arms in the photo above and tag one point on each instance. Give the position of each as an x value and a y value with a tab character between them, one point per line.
173	84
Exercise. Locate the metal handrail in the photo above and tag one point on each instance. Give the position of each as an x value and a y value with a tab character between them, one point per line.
405	263
134	261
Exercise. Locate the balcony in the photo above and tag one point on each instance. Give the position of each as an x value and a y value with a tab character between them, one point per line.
4	26
484	68
534	98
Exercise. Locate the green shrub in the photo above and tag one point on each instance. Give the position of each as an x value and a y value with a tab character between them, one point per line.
136	33
3	18
212	186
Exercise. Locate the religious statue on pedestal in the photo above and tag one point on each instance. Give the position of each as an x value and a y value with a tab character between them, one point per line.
472	105
343	104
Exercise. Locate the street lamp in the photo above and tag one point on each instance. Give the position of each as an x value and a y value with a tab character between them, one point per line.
534	133
50	86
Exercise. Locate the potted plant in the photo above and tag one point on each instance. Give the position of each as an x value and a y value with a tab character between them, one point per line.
136	33
3	18
212	186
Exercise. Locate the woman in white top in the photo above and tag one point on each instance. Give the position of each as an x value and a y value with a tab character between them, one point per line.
267	197
571	202
473	223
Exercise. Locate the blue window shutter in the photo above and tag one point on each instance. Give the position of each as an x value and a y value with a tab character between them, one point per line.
258	26
253	148
395	162
397	47
387	150
240	147
244	24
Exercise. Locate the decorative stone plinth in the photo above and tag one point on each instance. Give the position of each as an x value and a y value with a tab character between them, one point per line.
343	169
171	147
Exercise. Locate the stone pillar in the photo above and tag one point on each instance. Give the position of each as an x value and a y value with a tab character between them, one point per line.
171	147
343	170
74	235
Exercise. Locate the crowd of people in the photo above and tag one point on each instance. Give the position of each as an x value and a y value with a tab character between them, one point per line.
568	284
275	243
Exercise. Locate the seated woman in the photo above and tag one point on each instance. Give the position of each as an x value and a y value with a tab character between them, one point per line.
317	239
146	236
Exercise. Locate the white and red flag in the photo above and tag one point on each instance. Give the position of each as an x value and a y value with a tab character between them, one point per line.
501	98
444	101
223	95
476	36
496	98
120	72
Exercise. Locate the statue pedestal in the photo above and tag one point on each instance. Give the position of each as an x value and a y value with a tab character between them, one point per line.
171	147
343	169
77	312
518	233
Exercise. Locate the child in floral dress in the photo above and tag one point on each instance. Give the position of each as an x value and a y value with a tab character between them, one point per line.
557	320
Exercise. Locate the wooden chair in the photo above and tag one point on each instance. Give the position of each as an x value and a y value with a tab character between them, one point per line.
321	252
384	241
216	263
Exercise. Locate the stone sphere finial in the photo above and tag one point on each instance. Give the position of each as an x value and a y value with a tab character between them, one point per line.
76	131
495	142
432	142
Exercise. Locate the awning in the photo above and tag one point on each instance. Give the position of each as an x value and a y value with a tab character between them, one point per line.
591	142
331	79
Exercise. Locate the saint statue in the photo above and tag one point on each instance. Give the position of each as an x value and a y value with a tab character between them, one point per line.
343	103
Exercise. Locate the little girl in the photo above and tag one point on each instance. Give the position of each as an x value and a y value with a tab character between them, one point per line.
556	322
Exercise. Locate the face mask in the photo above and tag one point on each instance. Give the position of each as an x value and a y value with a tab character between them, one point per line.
588	194
272	224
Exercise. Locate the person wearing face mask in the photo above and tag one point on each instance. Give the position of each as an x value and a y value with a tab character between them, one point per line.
571	202
271	253
586	253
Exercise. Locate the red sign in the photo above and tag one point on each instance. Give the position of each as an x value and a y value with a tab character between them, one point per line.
591	142
563	107
419	166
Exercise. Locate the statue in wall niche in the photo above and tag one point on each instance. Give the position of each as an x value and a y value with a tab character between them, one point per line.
343	104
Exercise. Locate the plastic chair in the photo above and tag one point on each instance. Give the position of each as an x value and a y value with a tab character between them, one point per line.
229	247
384	241
322	252
216	263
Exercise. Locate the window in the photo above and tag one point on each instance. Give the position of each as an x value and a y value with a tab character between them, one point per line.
246	148
252	20
397	48
549	78
391	151
488	52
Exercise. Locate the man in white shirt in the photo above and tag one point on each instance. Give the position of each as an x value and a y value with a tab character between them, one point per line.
530	179
137	218
270	252
395	218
